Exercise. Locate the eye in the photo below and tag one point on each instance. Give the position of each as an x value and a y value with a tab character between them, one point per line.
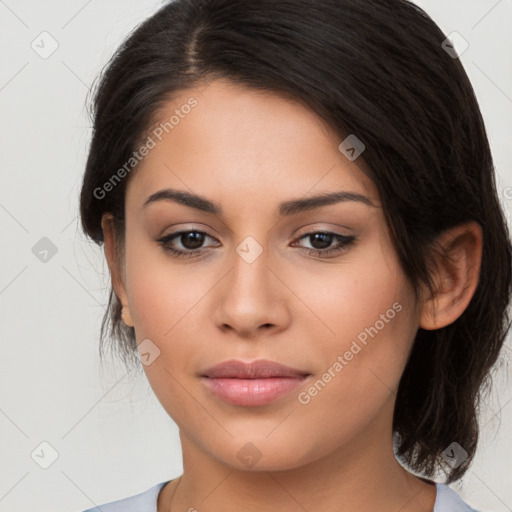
191	242
322	241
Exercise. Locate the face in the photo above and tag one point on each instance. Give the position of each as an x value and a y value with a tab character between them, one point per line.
319	290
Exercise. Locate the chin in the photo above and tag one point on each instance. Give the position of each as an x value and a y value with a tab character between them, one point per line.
262	454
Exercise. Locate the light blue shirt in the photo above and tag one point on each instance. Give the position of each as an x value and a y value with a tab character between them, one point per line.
447	500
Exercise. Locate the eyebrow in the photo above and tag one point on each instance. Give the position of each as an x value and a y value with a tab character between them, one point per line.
285	208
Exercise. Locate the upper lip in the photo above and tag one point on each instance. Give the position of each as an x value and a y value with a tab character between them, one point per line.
261	368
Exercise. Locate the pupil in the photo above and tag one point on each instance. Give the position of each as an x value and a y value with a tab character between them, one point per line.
193	237
316	237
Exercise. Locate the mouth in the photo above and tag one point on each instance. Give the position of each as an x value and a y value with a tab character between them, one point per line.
252	384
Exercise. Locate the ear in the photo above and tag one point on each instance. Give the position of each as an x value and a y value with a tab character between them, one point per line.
456	275
114	262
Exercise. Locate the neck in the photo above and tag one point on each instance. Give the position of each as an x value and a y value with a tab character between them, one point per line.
363	476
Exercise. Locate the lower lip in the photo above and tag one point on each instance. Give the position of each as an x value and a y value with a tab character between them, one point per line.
252	392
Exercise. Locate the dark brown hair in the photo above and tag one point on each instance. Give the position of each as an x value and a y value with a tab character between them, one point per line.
374	68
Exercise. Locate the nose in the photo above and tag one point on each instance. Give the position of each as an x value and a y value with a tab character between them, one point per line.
251	298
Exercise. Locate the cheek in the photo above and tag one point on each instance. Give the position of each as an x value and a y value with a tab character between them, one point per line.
162	293
164	306
167	308
359	372
366	330
346	301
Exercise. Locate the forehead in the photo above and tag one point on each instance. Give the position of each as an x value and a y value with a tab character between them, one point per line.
244	146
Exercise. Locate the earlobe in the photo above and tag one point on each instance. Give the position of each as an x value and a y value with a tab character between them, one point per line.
126	315
456	275
107	225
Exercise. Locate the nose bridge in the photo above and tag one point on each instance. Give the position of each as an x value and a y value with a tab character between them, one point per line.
250	275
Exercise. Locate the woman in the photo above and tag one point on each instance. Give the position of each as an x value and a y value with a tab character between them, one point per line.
308	256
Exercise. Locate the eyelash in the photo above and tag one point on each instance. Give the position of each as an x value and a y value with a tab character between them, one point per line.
345	242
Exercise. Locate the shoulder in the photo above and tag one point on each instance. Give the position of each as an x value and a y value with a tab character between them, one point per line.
143	502
449	501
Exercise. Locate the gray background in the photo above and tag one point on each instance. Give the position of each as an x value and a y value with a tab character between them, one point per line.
112	437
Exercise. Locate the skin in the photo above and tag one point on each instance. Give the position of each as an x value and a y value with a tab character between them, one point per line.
248	151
